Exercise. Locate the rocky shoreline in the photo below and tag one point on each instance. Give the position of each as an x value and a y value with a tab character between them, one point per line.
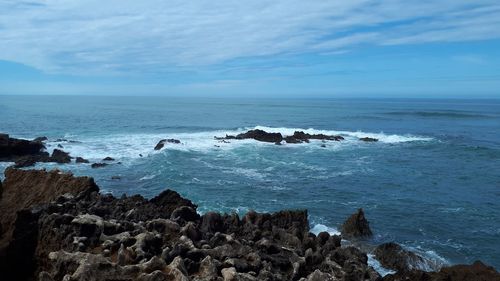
55	226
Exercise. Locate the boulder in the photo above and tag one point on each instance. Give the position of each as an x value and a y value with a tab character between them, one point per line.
356	226
60	156
393	256
108	159
171	200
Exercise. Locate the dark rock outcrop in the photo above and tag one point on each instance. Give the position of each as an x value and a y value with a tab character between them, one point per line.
27	189
11	148
108	159
393	256
60	156
368	139
162	143
40	139
474	272
277	138
98	165
81	160
356	226
93	236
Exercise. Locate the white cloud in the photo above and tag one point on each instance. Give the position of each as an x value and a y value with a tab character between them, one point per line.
157	36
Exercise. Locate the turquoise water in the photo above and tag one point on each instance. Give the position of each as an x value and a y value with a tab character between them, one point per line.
432	182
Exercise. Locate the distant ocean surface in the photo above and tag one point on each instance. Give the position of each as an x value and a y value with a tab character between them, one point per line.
432	182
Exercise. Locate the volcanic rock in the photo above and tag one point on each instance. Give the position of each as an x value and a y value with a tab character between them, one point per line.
98	165
393	256
368	139
356	226
60	156
81	160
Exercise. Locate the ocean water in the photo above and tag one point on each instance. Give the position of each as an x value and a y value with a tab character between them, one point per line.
432	182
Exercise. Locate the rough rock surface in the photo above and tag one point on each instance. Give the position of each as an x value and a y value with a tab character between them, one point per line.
356	226
393	256
93	236
27	189
368	139
474	272
162	143
11	148
277	138
60	156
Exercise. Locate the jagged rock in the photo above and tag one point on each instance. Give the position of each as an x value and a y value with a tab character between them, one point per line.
259	135
211	223
317	275
12	148
476	271
60	156
81	160
184	214
393	256
162	143
171	200
356	226
98	165
368	139
40	139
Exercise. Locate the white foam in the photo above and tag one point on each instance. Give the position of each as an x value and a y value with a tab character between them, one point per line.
378	267
131	146
322	228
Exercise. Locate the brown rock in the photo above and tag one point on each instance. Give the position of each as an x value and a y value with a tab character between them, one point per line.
24	189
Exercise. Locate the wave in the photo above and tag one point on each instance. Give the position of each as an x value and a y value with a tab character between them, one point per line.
132	146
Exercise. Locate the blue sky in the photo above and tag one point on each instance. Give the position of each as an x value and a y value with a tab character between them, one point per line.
358	48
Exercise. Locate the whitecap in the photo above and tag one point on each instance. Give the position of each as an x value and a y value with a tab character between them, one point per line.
378	267
322	228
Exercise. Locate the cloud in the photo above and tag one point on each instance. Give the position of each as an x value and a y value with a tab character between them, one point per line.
121	36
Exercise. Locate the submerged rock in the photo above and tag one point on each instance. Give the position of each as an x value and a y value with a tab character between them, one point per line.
98	165
108	159
162	143
356	226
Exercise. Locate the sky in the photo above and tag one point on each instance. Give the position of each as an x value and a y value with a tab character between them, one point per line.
327	48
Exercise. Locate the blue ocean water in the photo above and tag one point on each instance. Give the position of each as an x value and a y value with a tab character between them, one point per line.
432	182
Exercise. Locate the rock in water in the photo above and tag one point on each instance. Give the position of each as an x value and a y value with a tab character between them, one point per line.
40	139
60	156
11	148
474	272
356	226
108	159
98	165
160	144
261	135
81	160
393	256
368	139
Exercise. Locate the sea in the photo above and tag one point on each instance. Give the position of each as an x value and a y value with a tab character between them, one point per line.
431	182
